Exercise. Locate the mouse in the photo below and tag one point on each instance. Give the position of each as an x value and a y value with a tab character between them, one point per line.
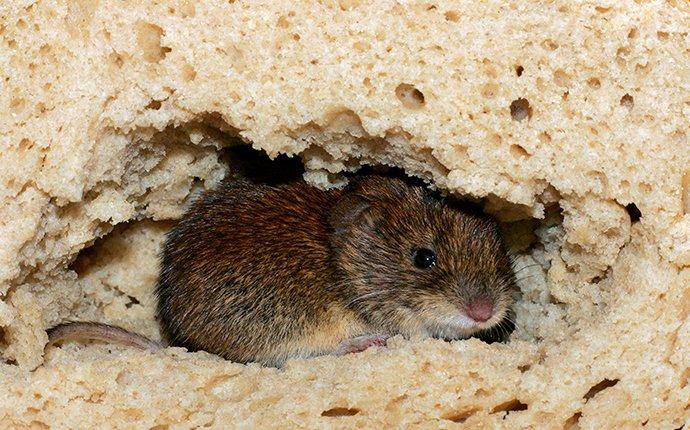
264	273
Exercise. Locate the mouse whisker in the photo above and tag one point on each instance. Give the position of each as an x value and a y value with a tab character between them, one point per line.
513	322
368	295
524	278
527	267
508	319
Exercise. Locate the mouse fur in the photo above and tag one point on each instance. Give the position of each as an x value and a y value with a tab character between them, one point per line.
257	272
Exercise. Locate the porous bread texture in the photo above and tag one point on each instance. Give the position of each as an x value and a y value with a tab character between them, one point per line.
564	112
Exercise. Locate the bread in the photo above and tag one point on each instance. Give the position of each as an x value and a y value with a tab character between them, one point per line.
569	120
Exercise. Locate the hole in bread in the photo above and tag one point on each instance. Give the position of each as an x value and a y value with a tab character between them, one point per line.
573	423
685	376
149	41
395	404
598	388
17	104
513	405
594	83
633	212
627	101
348	4
3	338
520	109
154	105
340	412
603	9
561	78
518	151
622	56
116	59
459	417
283	22
361	46
26	144
662	35
519	70
549	44
409	96
452	16
462	151
132	301
643	69
645	187
188	72
596	279
544	137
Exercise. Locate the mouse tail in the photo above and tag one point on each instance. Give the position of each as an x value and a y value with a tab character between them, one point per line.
101	332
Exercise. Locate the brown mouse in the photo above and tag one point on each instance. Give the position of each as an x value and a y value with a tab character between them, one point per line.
264	273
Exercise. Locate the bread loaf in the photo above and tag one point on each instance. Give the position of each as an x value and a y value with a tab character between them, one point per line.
569	120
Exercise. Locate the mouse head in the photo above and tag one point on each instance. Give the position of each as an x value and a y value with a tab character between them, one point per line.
412	263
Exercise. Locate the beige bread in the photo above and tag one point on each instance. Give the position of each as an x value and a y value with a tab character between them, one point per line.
563	117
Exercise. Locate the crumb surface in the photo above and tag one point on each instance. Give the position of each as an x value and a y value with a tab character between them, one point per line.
569	120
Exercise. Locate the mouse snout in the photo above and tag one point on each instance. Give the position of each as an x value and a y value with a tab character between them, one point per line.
480	309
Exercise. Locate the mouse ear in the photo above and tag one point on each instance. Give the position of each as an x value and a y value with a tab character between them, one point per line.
349	210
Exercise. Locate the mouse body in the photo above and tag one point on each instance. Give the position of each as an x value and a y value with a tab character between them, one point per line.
262	273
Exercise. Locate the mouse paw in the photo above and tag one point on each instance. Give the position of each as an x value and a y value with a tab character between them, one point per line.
361	343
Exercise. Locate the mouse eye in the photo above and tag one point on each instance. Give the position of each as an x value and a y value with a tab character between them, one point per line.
423	258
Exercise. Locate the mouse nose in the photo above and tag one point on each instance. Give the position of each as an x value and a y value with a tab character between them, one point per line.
480	310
